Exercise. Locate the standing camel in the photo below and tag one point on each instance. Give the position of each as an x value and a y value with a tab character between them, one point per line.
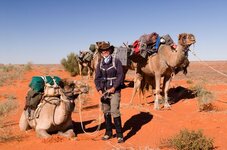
143	81
85	63
96	59
163	64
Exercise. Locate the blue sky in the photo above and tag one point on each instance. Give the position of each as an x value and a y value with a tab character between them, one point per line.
45	31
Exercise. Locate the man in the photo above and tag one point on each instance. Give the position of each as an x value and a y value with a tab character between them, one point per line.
108	80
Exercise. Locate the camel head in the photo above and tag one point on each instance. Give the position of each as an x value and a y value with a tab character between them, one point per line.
72	89
80	87
186	39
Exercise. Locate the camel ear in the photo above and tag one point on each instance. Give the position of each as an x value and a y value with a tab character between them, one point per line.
179	37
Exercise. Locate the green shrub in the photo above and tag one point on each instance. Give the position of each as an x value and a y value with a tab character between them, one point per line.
189	140
71	64
205	98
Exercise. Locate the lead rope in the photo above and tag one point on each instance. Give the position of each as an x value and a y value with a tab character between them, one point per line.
193	52
81	120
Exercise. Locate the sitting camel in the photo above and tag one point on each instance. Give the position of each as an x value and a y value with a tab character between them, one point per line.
53	114
164	63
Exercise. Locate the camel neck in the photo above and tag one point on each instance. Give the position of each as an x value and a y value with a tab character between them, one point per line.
174	57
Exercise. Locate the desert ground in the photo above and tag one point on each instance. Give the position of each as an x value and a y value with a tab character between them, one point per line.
143	126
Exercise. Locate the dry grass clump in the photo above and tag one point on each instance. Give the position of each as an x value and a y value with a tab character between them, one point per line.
6	130
71	64
28	66
9	105
10	72
205	97
189	140
6	135
189	81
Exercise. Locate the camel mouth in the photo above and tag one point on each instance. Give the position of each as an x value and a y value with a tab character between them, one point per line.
192	38
192	42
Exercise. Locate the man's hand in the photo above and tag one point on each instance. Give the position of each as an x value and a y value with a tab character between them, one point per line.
111	90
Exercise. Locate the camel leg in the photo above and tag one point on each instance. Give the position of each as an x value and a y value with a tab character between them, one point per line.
142	91
42	133
137	85
157	91
88	73
140	94
135	88
166	84
80	69
23	123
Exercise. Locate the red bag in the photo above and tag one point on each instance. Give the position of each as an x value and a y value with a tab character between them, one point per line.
136	46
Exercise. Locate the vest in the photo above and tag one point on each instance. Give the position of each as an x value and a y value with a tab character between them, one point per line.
108	71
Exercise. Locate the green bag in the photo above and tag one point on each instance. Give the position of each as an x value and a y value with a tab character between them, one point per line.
38	82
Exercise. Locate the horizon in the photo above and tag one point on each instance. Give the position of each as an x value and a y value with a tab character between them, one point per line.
44	32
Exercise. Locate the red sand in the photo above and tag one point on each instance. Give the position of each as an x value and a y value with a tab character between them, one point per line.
143	126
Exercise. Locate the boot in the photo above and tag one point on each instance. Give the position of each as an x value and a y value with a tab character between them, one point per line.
108	123
117	123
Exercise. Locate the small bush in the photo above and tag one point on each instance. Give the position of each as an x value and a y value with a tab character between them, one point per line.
189	140
71	64
5	130
189	81
6	135
11	72
8	106
28	66
7	68
205	98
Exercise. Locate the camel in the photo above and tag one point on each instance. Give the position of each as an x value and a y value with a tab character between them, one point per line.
96	59
163	64
53	114
85	63
143	81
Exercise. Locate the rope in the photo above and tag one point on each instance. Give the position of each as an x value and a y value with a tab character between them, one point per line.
193	52
81	121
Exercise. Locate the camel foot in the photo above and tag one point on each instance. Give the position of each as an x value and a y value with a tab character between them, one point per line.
42	133
167	106
156	105
68	134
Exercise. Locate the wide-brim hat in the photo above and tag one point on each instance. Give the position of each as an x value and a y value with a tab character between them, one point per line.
104	46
